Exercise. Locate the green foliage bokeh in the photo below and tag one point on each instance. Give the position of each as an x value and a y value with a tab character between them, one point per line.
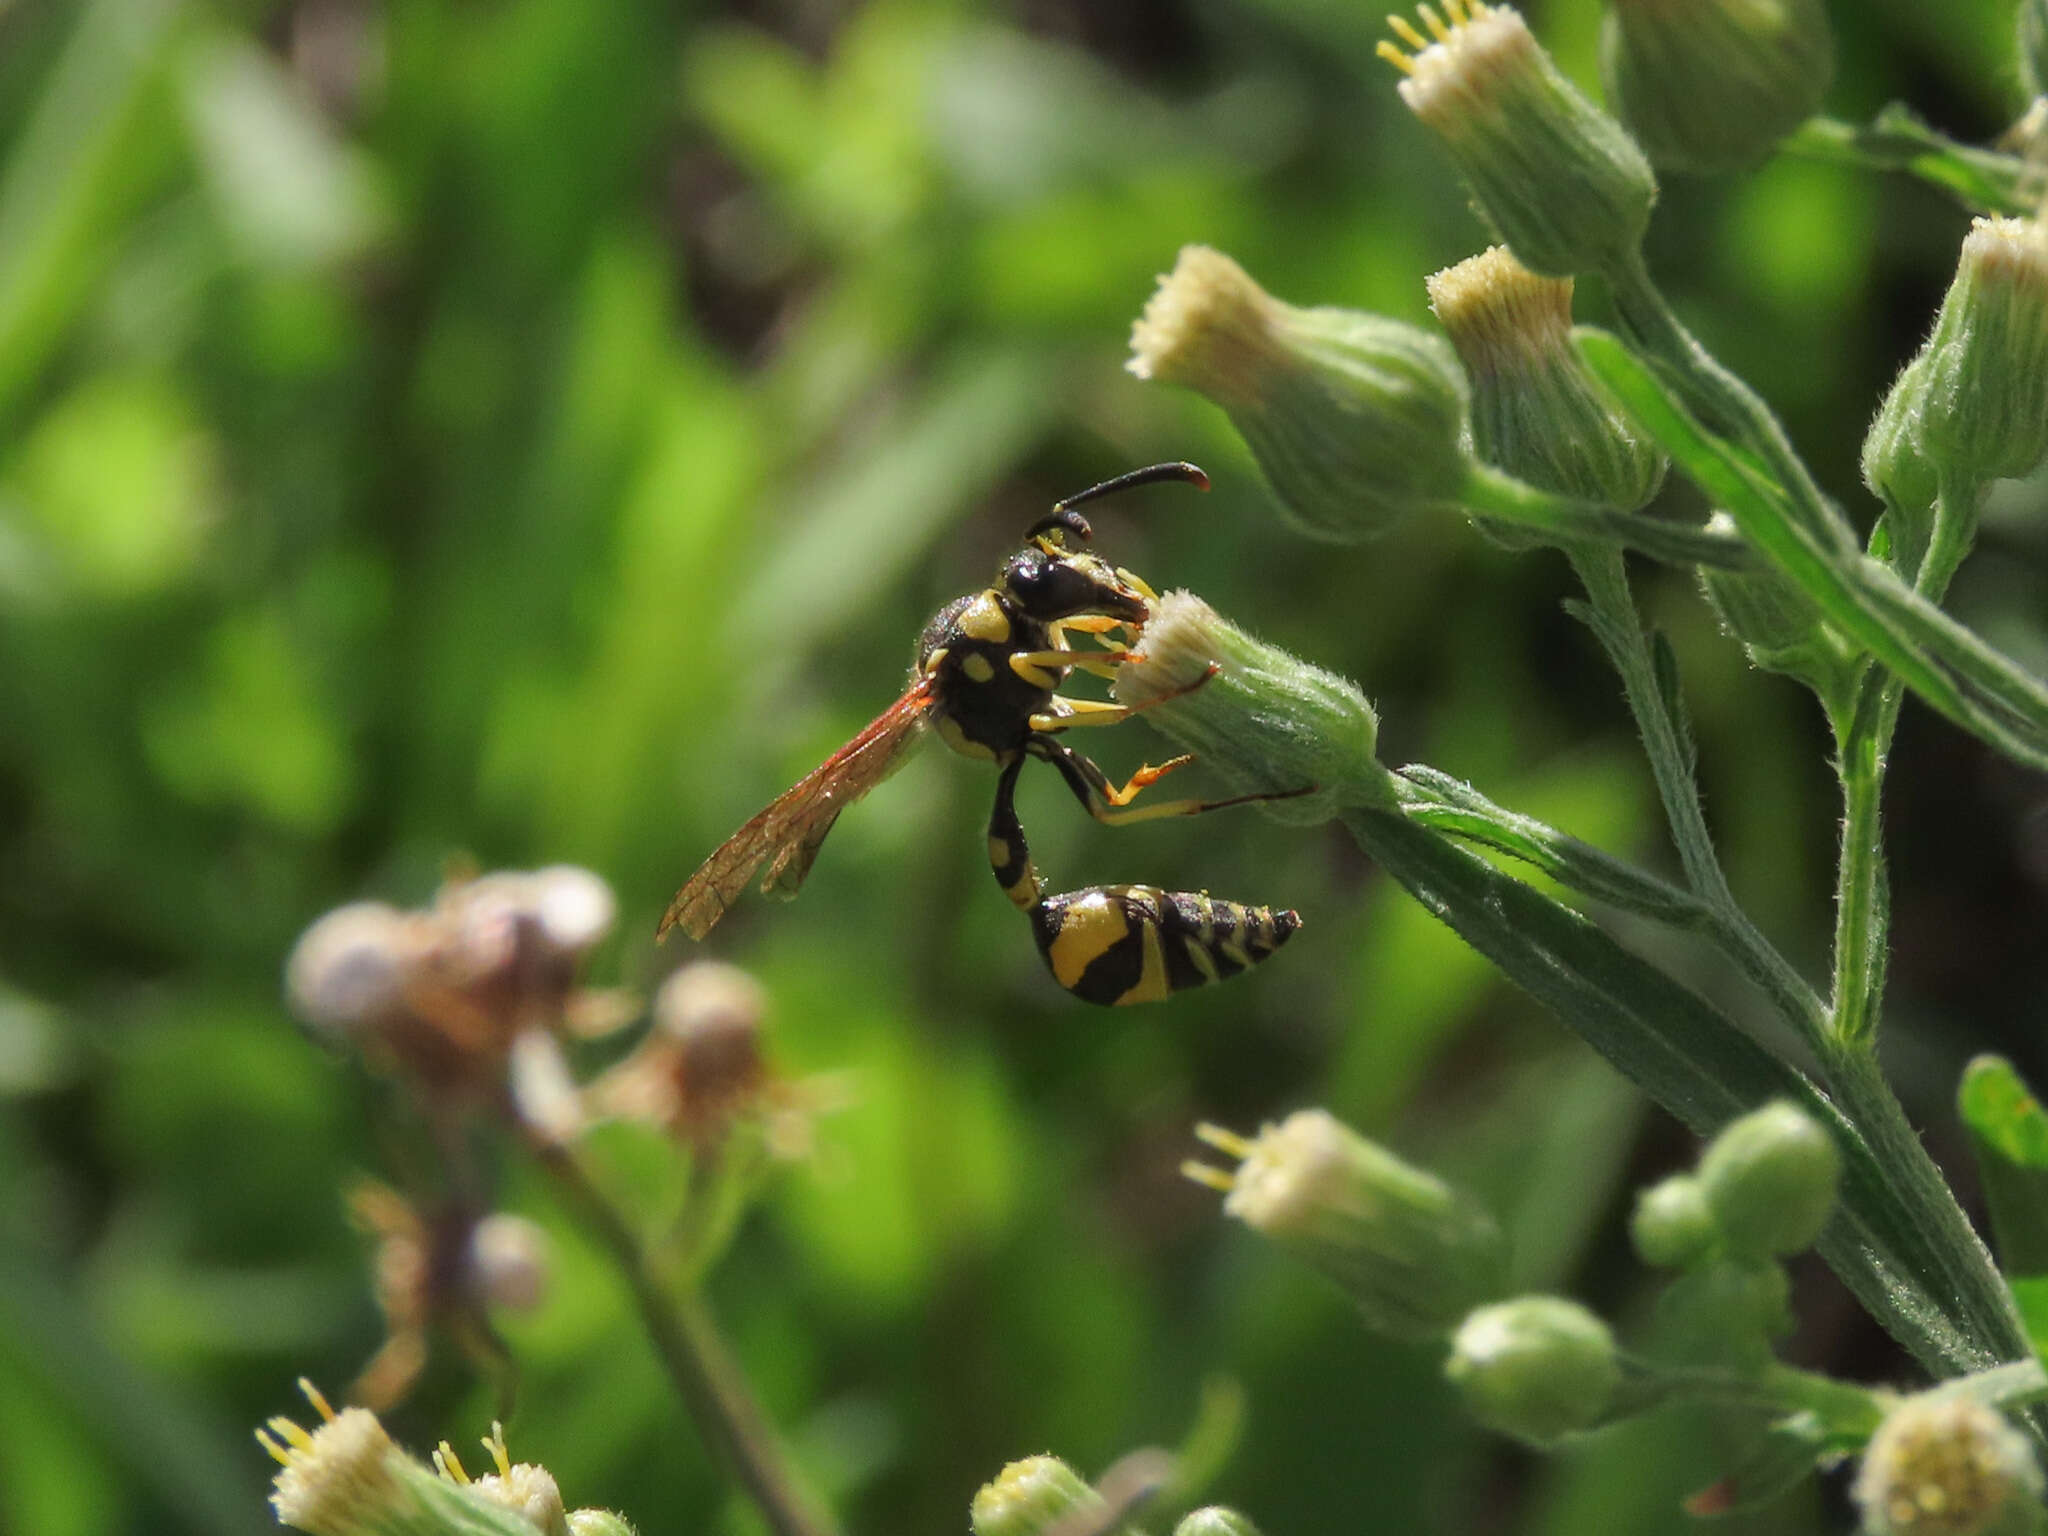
535	430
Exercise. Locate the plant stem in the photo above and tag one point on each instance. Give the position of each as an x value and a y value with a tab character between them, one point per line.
711	1382
1487	492
1605	577
1982	179
1862	754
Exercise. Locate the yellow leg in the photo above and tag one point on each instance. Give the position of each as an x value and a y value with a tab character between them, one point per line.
1077	712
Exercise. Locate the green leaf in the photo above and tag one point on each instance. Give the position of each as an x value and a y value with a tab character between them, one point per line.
1687	1056
2009	1133
1945	663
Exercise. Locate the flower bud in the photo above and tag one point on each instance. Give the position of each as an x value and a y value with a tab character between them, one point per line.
1215	1521
347	1478
1723	1314
1894	466
508	1261
1781	629
1537	1368
701	1065
1537	410
1713	85
1948	1468
598	1522
1770	1180
350	969
1414	1253
1354	419
1264	721
1985	411
1672	1227
1559	180
1031	1497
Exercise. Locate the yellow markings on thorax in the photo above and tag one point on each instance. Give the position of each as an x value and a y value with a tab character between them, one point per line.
984	619
1092	926
933	662
978	667
951	734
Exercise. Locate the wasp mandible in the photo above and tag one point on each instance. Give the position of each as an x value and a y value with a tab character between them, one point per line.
985	678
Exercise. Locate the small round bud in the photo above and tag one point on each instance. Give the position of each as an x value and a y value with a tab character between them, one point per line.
1537	1368
1781	629
1215	1521
1948	1468
351	967
1713	85
1985	410
1414	1253
598	1522
1770	1179
527	1491
1723	1314
508	1258
1356	420
1537	410
573	907
1264	721
1030	1497
1672	1227
1558	179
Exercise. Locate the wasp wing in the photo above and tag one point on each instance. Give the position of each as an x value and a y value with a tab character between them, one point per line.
787	835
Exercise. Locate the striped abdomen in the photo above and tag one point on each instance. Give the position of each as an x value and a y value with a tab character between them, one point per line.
1136	943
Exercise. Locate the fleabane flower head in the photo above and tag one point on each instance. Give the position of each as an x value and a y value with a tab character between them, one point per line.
1538	1368
1036	1495
1713	85
1414	1253
1948	1468
1561	182
1537	410
1355	419
1983	399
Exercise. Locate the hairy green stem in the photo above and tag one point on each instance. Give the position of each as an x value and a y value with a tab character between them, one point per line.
695	1355
1604	574
1982	179
1489	493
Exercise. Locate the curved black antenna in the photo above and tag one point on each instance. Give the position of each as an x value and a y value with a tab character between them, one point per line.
1063	517
1151	474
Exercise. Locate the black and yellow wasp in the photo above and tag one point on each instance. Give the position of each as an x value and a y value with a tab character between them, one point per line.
985	678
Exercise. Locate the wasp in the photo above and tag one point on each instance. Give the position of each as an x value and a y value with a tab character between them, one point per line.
985	680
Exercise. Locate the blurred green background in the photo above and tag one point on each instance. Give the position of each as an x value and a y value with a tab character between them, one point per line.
536	429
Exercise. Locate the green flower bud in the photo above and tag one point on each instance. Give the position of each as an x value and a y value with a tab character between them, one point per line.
2031	40
1712	85
1262	720
347	1478
1537	410
1782	630
1894	467
1414	1253
1559	180
1770	1179
1355	420
1032	1496
1948	1468
1215	1521
1537	1368
1985	413
597	1522
1723	1314
1672	1227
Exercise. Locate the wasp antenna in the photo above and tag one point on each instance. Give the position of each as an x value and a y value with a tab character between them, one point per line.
1151	474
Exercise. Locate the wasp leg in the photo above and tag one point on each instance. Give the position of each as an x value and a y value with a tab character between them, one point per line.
1069	713
1009	857
1032	665
1108	802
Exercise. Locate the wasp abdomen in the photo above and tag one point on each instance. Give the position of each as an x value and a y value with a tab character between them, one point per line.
1136	943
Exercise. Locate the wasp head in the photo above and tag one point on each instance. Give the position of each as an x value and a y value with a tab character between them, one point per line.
1049	582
